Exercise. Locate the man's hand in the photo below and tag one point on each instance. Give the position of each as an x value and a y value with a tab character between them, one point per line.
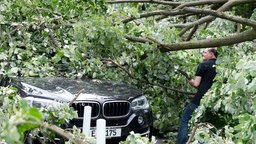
195	82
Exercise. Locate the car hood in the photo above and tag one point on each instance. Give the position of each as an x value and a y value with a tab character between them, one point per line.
65	90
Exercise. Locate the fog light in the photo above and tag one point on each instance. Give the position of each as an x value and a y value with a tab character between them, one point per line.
140	120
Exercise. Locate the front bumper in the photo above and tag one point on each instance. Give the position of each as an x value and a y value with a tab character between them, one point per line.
139	122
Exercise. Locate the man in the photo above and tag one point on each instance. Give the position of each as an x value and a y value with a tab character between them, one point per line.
203	81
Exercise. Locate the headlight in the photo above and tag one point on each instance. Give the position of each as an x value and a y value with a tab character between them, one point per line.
41	103
140	103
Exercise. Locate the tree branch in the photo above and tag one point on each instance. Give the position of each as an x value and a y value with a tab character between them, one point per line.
203	2
164	14
182	8
205	19
59	131
154	13
176	4
229	40
208	125
138	39
145	81
184	74
192	33
145	1
237	19
76	96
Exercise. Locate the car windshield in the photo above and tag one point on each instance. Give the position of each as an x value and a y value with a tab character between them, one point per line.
98	87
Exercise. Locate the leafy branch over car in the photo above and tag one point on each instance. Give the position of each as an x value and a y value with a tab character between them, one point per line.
124	108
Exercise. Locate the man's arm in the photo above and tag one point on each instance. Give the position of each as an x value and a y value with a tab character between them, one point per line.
196	81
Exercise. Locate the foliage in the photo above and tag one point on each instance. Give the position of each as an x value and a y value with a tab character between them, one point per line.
31	37
82	49
134	138
87	39
18	118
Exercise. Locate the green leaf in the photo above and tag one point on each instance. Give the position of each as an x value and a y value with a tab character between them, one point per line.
252	86
57	58
3	56
34	115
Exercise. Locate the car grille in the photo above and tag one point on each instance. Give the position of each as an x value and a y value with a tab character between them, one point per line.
116	108
109	108
79	107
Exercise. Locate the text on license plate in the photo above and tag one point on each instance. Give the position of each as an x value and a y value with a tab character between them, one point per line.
110	132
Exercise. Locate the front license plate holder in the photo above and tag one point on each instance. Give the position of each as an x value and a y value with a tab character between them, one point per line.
110	132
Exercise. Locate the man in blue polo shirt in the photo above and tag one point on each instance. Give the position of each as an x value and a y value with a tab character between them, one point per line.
203	81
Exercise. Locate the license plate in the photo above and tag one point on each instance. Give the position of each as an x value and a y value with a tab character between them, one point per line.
110	132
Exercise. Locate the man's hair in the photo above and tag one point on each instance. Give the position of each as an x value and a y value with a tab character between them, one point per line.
214	51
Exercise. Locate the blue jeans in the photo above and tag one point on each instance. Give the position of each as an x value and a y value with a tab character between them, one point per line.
183	129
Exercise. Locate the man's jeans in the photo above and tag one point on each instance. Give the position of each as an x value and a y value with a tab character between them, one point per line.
183	129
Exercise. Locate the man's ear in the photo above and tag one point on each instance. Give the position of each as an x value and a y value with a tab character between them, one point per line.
212	55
